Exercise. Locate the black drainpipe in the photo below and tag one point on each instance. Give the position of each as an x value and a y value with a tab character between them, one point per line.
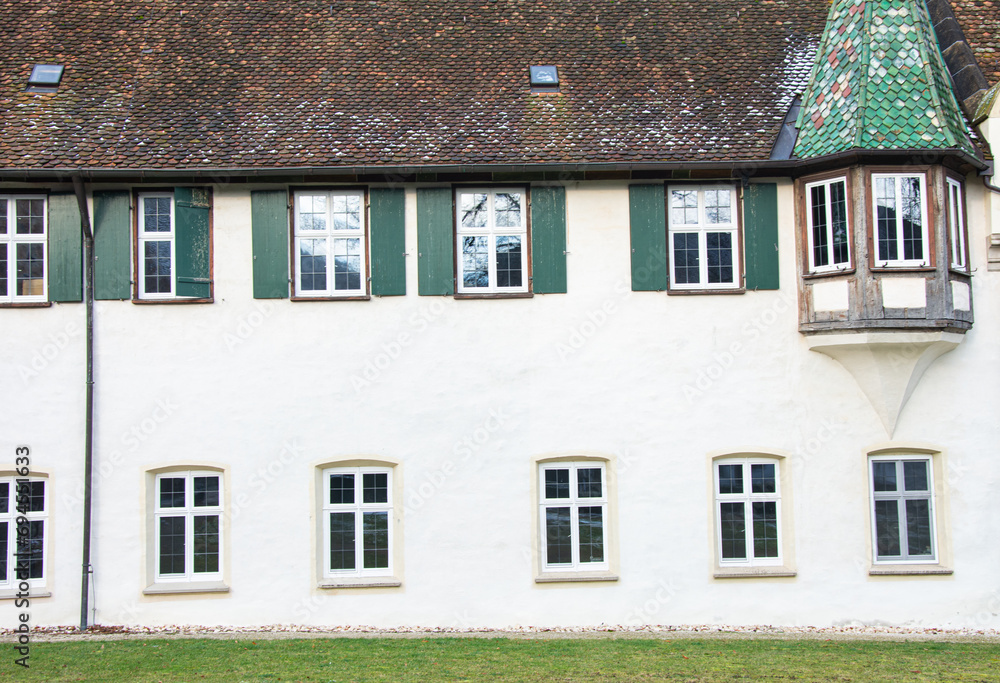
88	458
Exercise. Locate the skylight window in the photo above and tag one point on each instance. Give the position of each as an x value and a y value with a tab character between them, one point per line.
544	79
45	77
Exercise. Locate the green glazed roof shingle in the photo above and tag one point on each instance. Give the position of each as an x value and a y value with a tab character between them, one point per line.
879	83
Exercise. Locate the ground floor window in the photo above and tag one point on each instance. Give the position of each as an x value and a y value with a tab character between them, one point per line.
188	526
748	511
357	522
903	516
23	521
573	513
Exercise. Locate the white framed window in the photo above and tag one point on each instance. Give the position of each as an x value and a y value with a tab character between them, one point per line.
900	215
956	225
492	240
330	246
187	512
358	523
23	249
904	528
23	556
748	512
827	225
573	516
157	258
703	237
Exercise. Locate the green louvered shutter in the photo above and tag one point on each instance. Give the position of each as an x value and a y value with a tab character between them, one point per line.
65	262
193	242
388	241
112	245
435	244
548	240
269	225
648	224
760	235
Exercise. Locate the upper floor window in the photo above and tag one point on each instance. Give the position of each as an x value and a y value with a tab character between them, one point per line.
827	225
358	524
156	246
188	526
748	512
956	225
573	515
900	214
23	518
330	244
23	235
173	244
703	237
491	235
903	516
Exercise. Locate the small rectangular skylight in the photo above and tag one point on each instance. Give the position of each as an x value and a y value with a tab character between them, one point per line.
45	76
545	75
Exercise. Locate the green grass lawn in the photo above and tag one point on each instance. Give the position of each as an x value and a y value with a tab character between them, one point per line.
504	659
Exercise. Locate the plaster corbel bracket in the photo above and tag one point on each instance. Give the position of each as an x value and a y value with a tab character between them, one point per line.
886	365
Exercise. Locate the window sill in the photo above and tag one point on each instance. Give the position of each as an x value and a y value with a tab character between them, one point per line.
156	302
829	273
964	274
353	297
494	295
182	587
575	577
910	570
13	595
903	269
699	292
28	304
753	572
373	582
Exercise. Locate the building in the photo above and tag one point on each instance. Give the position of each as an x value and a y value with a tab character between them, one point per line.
647	312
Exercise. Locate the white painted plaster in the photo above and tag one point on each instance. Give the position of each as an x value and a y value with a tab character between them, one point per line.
830	295
904	292
961	295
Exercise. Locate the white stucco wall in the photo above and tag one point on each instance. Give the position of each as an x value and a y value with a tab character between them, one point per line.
267	390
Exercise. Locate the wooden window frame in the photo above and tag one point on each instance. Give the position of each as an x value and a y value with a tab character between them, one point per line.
492	292
958	235
10	582
804	215
738	285
901	495
747	498
574	502
358	508
188	512
929	218
11	239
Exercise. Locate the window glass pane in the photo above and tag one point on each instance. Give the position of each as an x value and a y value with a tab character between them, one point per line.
29	216
508	209
918	527
686	258
156	267
171	545
341	489
34	492
375	487
508	261
30	268
733	531
312	212
887	528
913	234
3	216
730	478
206	543
347	264
475	262
720	257
3	270
156	214
762	479
765	528
312	264
915	475
346	211
817	199
885	216
838	211
591	534
588	482
557	483
473	209
558	532
376	539
342	540
171	492
206	491
35	545
884	475
4	497
684	207
4	535
717	206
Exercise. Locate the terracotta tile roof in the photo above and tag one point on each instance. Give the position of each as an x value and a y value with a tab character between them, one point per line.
162	84
980	21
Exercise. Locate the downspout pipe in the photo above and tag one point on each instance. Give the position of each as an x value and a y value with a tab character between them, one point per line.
88	458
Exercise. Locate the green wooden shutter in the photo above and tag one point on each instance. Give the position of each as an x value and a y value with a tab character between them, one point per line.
648	223
192	242
760	235
269	225
435	242
388	241
112	245
548	240
65	258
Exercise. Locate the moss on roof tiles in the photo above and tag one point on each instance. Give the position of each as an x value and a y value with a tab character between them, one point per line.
879	83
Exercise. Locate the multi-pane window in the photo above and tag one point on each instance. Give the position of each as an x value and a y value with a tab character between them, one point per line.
827	225
156	246
748	512
903	509
22	551
956	225
23	231
704	239
900	219
573	515
330	250
357	522
491	238
188	526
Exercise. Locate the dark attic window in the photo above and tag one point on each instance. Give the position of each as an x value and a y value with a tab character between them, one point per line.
544	79
45	77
